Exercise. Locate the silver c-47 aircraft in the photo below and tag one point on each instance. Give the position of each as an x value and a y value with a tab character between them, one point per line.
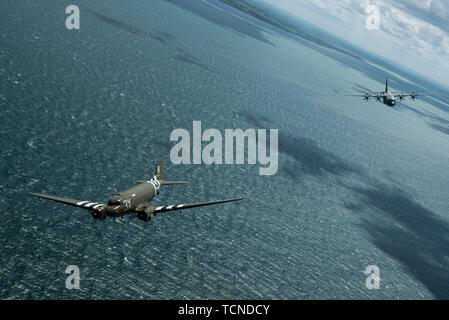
133	200
389	98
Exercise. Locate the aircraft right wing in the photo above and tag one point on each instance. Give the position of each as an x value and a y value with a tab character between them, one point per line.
366	96
77	203
191	205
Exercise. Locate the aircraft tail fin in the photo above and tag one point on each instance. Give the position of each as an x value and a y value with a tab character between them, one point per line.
386	85
158	172
158	175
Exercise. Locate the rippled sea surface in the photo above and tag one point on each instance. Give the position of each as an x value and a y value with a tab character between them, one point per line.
85	113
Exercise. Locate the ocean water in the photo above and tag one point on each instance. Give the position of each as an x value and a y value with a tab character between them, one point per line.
85	113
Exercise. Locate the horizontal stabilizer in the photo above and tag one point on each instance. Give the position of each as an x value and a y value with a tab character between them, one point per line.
172	182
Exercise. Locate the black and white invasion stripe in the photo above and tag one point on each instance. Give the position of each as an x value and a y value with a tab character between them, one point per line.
167	208
156	184
89	205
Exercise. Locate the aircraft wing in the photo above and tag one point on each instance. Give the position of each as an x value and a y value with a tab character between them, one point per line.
367	95
191	205
399	94
77	203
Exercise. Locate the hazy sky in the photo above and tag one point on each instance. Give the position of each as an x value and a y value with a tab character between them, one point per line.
414	33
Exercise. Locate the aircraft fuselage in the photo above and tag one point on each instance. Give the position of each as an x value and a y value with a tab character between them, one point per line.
133	198
389	99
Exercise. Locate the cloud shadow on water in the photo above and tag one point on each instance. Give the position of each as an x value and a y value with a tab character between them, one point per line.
439	124
310	159
222	18
440	128
162	37
307	158
410	233
190	59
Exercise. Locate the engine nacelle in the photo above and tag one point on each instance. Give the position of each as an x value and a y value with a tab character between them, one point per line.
99	213
114	211
146	214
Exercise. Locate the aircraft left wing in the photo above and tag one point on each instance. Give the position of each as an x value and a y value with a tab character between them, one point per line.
77	203
191	205
413	94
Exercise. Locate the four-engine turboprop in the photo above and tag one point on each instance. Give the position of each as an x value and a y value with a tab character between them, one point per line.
133	200
388	98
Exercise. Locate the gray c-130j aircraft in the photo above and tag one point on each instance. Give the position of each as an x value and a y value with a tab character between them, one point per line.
133	200
389	98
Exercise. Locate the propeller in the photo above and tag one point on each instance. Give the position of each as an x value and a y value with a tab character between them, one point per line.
401	97
414	96
378	97
366	97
